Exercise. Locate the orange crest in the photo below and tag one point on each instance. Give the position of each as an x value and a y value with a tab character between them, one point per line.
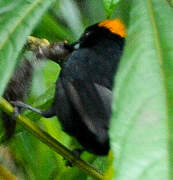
115	26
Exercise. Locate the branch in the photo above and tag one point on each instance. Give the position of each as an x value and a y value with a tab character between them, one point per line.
57	51
6	174
51	142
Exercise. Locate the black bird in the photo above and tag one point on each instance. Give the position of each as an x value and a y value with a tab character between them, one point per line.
83	93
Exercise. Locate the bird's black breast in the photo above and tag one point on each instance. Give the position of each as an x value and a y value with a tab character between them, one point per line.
97	63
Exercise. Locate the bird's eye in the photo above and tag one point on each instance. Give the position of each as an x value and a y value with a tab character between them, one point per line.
87	33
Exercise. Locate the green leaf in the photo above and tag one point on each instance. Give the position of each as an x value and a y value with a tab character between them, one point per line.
16	23
73	18
55	32
142	122
35	157
171	2
110	6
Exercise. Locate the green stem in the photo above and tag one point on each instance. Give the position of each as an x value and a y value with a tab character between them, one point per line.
51	142
6	174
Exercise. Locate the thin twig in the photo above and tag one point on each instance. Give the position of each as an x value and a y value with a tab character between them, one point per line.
51	142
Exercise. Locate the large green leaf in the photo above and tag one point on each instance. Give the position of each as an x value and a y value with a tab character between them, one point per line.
142	123
16	23
73	17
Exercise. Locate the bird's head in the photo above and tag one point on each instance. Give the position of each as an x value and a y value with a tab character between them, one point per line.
112	29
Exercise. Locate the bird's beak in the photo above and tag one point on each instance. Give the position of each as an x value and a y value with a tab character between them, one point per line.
76	45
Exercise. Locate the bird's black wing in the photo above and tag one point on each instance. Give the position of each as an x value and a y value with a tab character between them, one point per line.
82	100
92	101
84	109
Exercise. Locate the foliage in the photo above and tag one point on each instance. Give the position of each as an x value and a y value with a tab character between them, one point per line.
141	128
16	24
110	6
142	117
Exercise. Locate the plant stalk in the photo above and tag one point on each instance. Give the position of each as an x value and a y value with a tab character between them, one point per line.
50	141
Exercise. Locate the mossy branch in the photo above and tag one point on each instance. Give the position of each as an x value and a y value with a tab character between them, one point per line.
51	142
33	43
56	51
